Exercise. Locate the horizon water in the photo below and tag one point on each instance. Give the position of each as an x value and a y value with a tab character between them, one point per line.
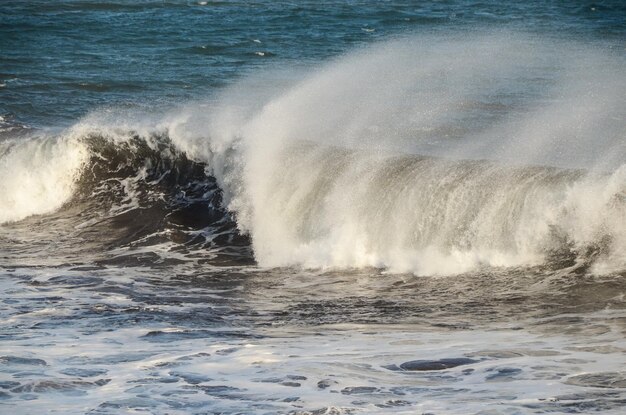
312	208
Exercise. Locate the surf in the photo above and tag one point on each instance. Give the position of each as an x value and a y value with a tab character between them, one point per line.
431	155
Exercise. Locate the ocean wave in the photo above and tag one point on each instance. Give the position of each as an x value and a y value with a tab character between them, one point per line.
435	171
321	206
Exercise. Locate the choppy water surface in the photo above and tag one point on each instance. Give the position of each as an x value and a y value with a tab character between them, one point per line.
312	208
184	339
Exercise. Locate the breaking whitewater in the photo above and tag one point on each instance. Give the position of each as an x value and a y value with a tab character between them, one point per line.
423	225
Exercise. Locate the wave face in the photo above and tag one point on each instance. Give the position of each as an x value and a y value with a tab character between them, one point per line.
367	161
427	155
430	216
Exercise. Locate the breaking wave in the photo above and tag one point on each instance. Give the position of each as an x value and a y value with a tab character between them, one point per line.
38	175
427	155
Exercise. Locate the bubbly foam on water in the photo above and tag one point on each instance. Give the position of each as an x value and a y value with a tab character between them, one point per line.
127	340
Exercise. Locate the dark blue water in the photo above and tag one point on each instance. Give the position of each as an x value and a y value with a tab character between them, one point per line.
61	59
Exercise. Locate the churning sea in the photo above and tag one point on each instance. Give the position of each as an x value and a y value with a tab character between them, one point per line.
312	207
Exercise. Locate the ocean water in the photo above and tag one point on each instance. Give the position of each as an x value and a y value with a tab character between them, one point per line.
223	207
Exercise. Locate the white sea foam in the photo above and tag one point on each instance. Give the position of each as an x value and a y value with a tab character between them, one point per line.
343	368
38	175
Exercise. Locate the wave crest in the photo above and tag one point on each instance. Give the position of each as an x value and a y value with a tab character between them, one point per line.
431	157
38	175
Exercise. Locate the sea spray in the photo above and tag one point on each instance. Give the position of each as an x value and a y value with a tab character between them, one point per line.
331	173
431	155
38	174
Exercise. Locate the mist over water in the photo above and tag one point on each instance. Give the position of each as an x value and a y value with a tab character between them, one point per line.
423	221
334	170
427	154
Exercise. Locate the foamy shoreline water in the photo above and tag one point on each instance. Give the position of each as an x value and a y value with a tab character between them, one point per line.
102	351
